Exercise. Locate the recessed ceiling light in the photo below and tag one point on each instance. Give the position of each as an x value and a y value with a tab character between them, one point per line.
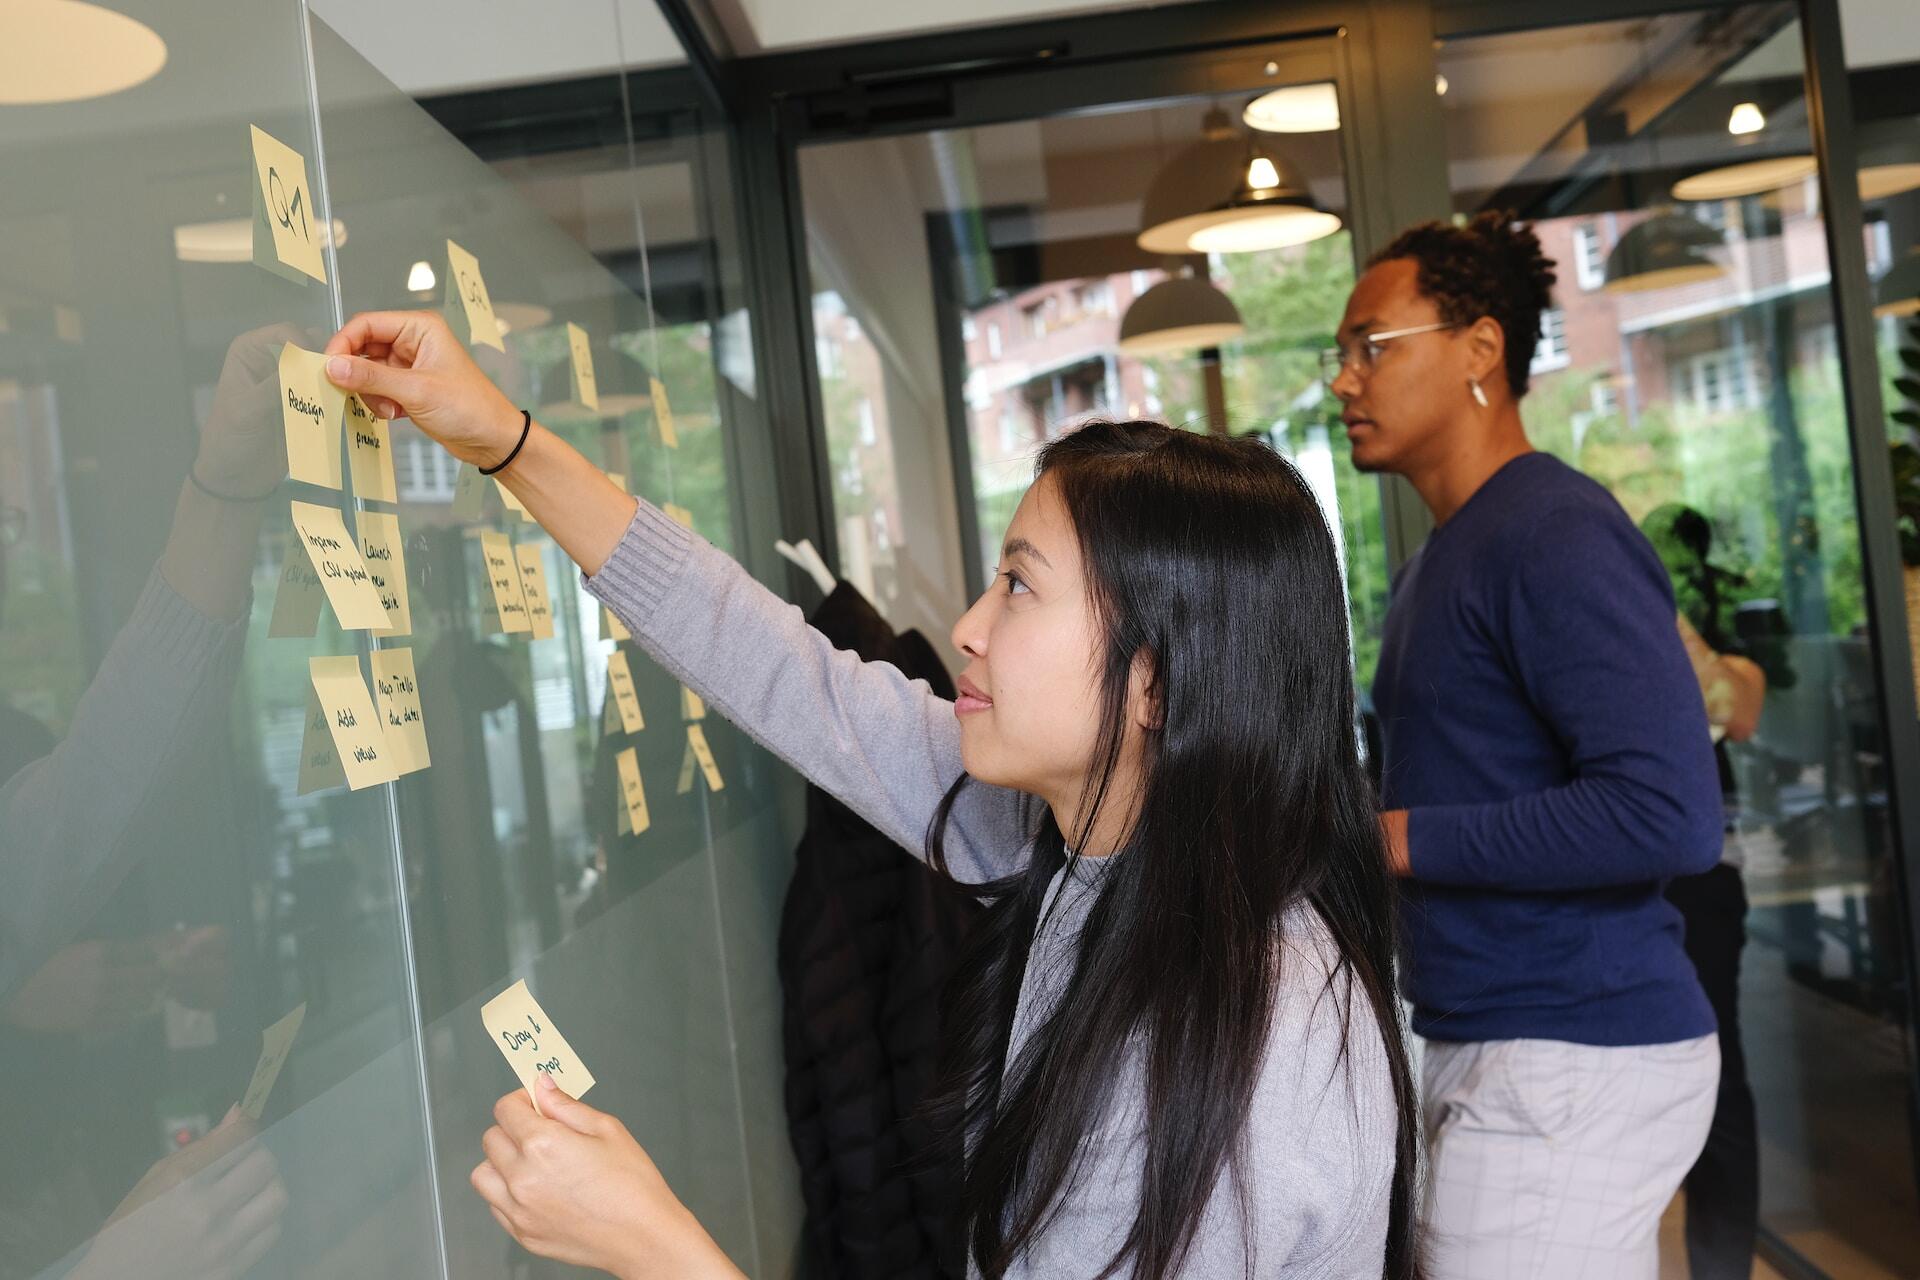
65	51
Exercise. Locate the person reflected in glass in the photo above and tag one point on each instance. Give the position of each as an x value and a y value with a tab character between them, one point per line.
1723	1187
71	829
1546	771
1178	1049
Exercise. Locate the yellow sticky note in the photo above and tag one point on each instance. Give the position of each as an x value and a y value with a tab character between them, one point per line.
276	1042
283	212
619	481
396	695
611	628
352	721
469	491
687	765
469	309
633	795
663	413
532	1045
691	705
369	453
585	390
697	744
319	763
381	548
297	600
609	713
533	588
620	683
336	561
679	515
512	501
503	575
310	412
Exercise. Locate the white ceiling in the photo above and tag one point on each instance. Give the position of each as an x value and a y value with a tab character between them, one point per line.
766	26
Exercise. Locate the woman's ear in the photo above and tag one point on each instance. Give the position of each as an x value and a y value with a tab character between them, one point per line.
1145	707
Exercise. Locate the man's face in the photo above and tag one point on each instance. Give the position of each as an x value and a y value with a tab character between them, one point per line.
1397	412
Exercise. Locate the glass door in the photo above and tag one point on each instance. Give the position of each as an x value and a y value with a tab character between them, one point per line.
1690	363
1166	241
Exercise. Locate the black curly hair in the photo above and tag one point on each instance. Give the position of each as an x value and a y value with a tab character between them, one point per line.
1492	266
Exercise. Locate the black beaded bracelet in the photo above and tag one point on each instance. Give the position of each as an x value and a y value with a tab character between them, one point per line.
217	496
526	425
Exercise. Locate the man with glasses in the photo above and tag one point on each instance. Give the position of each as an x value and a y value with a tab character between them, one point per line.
1546	769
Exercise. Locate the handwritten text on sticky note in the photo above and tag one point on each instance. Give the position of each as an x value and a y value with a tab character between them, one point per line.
503	576
396	695
337	563
351	719
310	411
532	1045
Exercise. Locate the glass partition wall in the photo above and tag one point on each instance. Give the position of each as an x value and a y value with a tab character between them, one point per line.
194	891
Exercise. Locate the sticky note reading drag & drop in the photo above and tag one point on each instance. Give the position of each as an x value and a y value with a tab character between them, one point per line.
531	1044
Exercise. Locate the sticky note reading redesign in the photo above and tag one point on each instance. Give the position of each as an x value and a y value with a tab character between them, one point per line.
276	1044
633	794
620	686
369	453
385	556
336	562
533	586
663	413
585	391
396	694
351	719
531	1044
469	309
310	412
286	240
503	575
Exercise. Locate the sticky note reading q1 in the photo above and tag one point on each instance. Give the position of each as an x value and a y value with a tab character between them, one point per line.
469	309
286	240
531	1044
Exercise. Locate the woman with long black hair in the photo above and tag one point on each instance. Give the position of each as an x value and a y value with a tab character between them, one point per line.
1177	1048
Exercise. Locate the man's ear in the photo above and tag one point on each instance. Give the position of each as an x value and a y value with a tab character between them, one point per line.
1145	706
1487	351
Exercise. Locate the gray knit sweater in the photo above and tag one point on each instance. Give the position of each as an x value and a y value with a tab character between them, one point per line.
1320	1145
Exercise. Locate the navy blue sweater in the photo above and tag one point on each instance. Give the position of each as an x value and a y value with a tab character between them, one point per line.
1543	728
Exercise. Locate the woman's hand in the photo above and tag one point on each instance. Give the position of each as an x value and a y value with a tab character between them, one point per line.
574	1186
409	364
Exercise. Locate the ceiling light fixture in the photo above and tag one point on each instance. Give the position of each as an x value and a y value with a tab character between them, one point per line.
1746	118
1748	178
1666	250
420	277
1226	194
1298	108
1179	314
66	51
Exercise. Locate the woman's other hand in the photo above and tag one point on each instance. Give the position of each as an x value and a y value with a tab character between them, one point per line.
409	364
574	1186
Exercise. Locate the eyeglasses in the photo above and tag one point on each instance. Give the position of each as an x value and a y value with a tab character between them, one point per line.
1364	354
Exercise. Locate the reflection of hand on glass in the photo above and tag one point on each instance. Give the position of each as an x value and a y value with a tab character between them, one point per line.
211	1209
573	1185
1735	688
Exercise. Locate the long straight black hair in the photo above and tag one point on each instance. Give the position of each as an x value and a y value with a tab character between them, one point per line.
1211	558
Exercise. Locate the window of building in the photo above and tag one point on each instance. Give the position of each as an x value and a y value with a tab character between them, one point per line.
993	340
1551	353
1589	262
865	413
422	470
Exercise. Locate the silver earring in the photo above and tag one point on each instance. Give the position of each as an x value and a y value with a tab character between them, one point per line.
1473	385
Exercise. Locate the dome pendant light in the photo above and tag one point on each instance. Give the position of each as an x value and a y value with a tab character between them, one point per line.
1182	313
1666	250
1228	194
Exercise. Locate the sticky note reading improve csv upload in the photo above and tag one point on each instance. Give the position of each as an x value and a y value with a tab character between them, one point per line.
336	562
276	1043
310	411
532	1045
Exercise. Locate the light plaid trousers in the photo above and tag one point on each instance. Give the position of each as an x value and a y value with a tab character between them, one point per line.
1554	1161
